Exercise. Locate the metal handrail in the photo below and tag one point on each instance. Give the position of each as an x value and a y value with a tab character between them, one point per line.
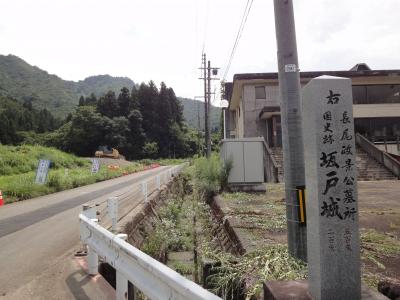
153	278
382	157
273	168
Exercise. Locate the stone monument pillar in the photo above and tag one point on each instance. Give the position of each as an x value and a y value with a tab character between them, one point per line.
331	189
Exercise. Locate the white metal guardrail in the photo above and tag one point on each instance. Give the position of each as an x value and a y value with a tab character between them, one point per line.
117	207
152	278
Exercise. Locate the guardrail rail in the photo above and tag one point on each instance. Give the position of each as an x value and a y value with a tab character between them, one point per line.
152	278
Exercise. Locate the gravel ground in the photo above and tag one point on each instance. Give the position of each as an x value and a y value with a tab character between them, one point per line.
110	161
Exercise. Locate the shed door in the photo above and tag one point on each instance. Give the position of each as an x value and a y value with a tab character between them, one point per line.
234	151
253	162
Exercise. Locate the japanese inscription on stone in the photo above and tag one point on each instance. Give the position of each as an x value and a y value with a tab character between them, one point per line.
337	145
331	183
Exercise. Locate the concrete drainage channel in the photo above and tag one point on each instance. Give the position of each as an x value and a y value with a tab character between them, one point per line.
176	202
140	226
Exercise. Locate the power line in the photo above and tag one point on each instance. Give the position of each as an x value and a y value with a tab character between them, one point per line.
239	34
206	25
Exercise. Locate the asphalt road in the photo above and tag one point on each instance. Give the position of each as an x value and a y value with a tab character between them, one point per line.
38	238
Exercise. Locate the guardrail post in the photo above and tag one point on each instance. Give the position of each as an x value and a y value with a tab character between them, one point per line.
144	190
158	182
89	212
112	209
122	292
93	259
121	286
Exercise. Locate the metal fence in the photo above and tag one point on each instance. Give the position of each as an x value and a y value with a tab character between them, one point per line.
152	278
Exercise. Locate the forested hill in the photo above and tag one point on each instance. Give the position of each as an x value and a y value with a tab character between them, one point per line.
193	110
21	81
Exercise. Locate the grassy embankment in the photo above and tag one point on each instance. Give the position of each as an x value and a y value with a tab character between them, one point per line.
201	181
18	170
261	221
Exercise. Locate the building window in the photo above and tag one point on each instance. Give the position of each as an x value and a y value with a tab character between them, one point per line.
378	129
376	94
260	92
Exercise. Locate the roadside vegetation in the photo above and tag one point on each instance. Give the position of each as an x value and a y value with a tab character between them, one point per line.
18	170
261	218
185	225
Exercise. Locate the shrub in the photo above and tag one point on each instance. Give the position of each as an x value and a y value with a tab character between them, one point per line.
150	149
210	175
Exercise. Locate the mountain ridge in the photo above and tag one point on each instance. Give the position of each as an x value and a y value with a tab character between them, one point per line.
25	82
22	81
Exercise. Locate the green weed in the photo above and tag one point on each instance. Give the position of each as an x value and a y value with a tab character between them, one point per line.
67	171
210	175
271	262
174	231
375	245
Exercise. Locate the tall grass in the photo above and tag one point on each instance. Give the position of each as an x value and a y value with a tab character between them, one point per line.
18	169
23	159
210	175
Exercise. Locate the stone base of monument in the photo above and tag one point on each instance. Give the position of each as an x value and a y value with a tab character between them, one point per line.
247	187
298	290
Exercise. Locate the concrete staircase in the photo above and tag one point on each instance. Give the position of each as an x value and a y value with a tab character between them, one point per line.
277	153
368	168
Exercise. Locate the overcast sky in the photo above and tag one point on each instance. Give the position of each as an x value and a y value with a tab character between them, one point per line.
163	40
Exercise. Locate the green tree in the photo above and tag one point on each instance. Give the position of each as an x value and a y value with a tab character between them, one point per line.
124	102
87	131
81	101
118	134
150	150
108	105
148	99
137	136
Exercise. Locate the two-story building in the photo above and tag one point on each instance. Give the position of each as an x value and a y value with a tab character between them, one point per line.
254	108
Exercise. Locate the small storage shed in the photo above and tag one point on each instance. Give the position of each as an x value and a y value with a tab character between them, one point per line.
247	157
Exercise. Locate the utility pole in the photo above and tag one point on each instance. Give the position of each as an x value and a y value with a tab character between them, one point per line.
206	116
198	127
208	99
292	135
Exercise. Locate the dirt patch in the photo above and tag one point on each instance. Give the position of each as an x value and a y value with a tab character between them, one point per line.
260	219
110	161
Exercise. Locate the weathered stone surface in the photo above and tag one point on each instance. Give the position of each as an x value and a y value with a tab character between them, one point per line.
286	290
299	290
331	189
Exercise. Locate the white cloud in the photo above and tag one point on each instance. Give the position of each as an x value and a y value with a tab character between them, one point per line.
162	40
